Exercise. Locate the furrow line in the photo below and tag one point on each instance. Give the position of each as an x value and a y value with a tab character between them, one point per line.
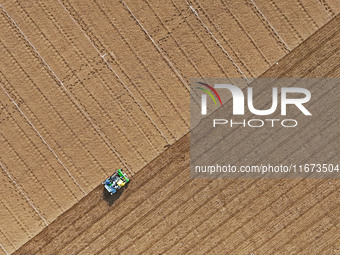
73	99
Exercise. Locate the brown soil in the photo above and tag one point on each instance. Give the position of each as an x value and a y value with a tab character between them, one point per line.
164	211
96	93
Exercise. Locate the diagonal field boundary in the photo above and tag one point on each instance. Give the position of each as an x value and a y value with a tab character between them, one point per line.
291	64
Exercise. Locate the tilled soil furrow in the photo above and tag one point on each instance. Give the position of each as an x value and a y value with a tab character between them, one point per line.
151	186
168	219
64	177
95	65
301	21
246	133
205	220
89	202
28	150
172	241
147	130
317	56
143	210
144	242
334	6
168	216
188	227
162	210
97	45
148	55
235	220
291	216
240	38
18	216
7	246
98	100
43	98
274	155
177	25
262	35
315	229
169	44
56	125
30	180
216	55
328	243
228	48
44	158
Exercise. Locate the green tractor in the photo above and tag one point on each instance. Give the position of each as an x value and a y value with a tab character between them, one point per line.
116	181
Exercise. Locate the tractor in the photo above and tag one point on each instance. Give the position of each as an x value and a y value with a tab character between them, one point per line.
116	181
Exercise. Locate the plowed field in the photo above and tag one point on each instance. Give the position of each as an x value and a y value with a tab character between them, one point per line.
90	86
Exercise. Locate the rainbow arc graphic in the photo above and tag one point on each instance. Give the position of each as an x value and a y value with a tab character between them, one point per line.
209	93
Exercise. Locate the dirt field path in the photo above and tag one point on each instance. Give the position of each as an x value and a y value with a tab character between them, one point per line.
164	211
